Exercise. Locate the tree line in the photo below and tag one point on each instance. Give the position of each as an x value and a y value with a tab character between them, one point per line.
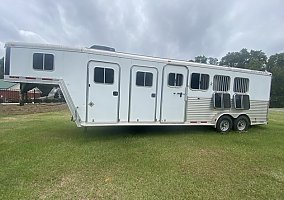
253	59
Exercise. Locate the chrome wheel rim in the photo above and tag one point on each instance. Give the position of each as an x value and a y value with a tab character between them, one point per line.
224	125
241	125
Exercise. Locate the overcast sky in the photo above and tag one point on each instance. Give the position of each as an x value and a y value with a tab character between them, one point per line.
180	29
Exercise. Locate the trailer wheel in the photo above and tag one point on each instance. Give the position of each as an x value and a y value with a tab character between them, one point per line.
241	123
224	124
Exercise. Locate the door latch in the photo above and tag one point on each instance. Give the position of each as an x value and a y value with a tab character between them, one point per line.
115	93
180	94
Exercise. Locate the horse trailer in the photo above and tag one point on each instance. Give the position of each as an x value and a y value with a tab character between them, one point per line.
103	87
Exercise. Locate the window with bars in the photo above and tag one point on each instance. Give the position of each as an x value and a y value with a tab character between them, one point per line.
221	83
199	81
241	85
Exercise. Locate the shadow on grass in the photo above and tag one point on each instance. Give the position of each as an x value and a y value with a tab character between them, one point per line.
111	133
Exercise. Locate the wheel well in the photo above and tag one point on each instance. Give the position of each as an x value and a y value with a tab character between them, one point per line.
245	115
232	118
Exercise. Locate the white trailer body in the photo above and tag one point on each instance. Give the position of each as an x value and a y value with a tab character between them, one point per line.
105	88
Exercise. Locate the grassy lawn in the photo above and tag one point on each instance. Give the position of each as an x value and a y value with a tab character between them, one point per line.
44	156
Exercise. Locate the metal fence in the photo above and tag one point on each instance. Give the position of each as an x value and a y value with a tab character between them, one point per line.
13	96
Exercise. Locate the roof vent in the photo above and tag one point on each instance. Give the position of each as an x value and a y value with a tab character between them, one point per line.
103	48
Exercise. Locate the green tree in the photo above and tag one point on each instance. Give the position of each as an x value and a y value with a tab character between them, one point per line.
255	60
2	68
213	61
236	59
201	59
275	65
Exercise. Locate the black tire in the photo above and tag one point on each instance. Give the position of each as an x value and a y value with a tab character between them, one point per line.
241	123
224	124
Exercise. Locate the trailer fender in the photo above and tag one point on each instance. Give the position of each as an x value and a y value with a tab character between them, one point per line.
232	115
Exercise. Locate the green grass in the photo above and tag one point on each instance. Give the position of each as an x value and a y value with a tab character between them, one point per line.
44	156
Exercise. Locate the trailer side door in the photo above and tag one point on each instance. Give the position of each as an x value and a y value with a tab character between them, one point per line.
103	92
174	94
143	94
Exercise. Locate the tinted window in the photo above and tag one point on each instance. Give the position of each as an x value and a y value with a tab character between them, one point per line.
171	79
199	81
238	101
175	79
227	100
103	75
109	75
246	102
38	61
140	78
194	84
242	101
179	79
149	79
204	82
222	100
99	75
217	100
43	61
144	79
48	61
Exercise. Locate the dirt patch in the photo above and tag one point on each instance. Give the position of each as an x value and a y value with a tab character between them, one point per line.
15	109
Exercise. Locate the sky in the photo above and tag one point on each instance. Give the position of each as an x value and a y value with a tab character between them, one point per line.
180	29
